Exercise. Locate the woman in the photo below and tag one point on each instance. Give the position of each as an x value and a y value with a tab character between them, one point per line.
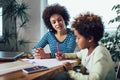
56	19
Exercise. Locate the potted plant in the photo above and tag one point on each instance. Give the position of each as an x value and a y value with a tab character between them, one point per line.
112	41
15	11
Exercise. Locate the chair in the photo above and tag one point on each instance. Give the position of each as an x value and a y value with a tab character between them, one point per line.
118	71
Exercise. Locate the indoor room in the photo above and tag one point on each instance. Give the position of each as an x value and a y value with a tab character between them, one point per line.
23	26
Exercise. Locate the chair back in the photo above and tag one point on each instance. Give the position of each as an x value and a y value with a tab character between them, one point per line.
118	71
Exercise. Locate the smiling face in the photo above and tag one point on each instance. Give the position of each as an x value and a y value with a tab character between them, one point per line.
57	22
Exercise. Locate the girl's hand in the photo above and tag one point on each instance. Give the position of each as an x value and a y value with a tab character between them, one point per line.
67	66
60	57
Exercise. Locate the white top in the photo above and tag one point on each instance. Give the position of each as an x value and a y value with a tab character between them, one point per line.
100	65
87	65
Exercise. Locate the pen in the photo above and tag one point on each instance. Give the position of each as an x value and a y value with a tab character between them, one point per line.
58	50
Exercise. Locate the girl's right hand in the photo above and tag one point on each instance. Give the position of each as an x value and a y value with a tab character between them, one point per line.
60	57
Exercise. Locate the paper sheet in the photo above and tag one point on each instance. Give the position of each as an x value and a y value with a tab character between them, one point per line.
47	62
13	66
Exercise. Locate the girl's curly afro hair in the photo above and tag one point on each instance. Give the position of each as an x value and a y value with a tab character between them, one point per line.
89	25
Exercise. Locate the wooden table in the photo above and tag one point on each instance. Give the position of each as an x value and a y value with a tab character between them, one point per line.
43	75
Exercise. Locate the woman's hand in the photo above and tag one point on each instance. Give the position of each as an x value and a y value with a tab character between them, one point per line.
39	53
67	66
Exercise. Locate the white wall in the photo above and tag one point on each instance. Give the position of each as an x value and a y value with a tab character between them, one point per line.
33	27
32	32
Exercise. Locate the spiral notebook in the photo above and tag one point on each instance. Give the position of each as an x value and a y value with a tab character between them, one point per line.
10	56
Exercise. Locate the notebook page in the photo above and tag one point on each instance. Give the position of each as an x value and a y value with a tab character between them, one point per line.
13	66
47	62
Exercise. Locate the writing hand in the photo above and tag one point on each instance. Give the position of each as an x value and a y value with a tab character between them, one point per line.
60	57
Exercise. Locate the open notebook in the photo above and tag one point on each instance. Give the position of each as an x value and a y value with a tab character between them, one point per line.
10	56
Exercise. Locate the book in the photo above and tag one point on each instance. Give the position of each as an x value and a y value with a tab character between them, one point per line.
13	66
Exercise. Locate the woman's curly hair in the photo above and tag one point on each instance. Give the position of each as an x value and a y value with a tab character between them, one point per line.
55	9
89	25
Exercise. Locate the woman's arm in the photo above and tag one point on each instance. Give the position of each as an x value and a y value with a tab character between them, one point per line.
42	43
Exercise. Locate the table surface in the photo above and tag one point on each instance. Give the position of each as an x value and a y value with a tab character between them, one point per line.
43	75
